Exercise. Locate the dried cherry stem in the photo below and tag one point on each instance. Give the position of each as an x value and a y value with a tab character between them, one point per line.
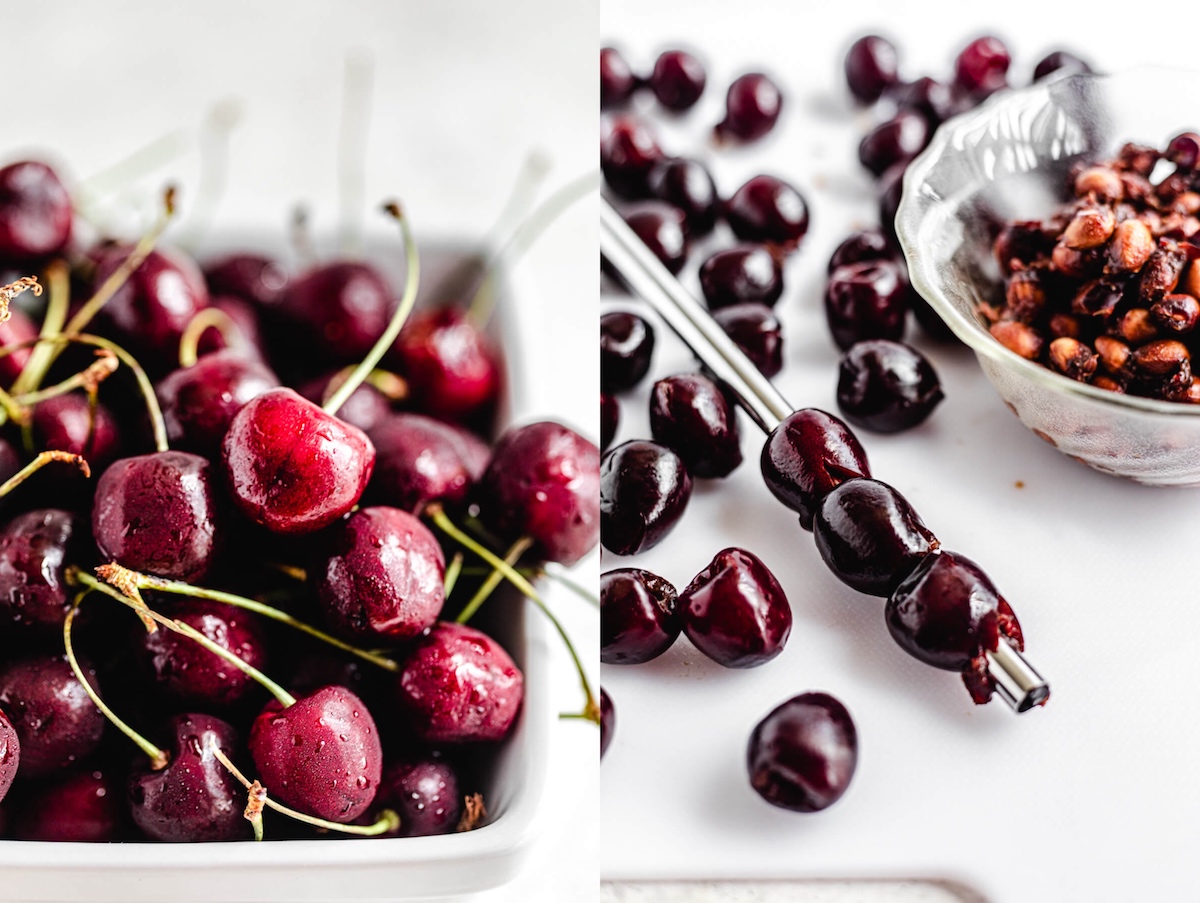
453	570
388	819
380	348
89	379
158	758
209	318
474	812
515	551
42	459
388	384
12	289
591	708
58	281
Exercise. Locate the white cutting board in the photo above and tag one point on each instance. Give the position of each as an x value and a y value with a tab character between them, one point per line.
1093	798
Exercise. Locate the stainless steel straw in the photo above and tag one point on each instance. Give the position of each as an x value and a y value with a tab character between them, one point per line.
1014	679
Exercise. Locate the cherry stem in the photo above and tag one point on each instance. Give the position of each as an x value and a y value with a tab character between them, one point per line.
357	83
385	382
58	279
204	320
300	237
213	142
515	551
162	150
158	758
289	570
285	698
12	289
11	409
533	171
42	459
89	379
591	709
453	570
375	355
479	311
388	819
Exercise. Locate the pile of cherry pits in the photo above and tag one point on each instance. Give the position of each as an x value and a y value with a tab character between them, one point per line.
327	535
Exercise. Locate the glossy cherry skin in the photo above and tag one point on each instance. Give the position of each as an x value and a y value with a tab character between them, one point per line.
803	755
871	66
628	152
735	611
639	616
452	368
341	307
982	66
677	80
159	514
770	211
866	300
687	185
458	685
16	329
886	386
542	482
252	277
870	536
749	273
617	80
33	555
866	244
84	806
1060	61
608	721
899	139
421	460
10	754
692	415
194	799
64	424
424	793
644	490
610	419
806	456
35	213
752	107
626	349
200	401
191	675
663	229
320	755
948	614
291	467
382	579
756	330
57	724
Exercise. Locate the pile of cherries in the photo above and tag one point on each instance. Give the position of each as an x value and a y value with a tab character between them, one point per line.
266	501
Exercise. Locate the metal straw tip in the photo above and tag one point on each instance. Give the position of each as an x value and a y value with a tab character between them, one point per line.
1015	680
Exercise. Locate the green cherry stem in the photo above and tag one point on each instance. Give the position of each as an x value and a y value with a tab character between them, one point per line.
453	570
58	282
515	551
43	458
381	346
209	318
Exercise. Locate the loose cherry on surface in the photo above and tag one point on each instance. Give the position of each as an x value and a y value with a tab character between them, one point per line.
677	79
866	244
870	536
890	187
749	273
56	722
687	185
608	721
886	386
83	806
290	466
382	579
421	460
692	415
866	300
193	799
806	456
35	213
982	66
458	685
33	552
424	792
159	514
626	349
897	140
663	229
341	307
871	67
639	616
320	755
610	419
735	611
644	490
628	152
252	277
768	210
756	330
200	401
617	80
934	100
752	106
803	755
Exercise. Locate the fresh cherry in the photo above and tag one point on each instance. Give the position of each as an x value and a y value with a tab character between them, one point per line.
934	100
35	213
756	330
886	386
200	401
610	418
768	210
63	423
424	792
252	277
33	550
421	460
1062	62
628	151
663	229
749	273
692	415
56	722
867	300
617	80
871	66
897	140
677	80
735	611
626	348
890	187
341	308
17	329
752	107
982	66
608	721
639	616
802	756
83	806
687	185
864	245
644	490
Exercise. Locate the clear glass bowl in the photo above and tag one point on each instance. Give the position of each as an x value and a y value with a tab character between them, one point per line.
1008	160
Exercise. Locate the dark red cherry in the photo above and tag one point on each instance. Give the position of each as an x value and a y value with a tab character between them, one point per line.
617	80
692	415
320	755
63	423
1060	61
735	611
608	721
870	536
752	107
421	460
628	151
57	724
366	407
886	386
458	685
803	755
866	300
982	66
200	401
33	555
948	614
770	211
610	418
424	793
194	799
677	80
644	490
898	140
381	581
16	329
806	456
10	754
35	213
934	100
864	245
687	185
252	277
872	66
662	228
341	308
248	338
1184	150
191	675
626	348
10	461
542	482
452	368
756	330
639	616
290	466
749	273
83	806
159	514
